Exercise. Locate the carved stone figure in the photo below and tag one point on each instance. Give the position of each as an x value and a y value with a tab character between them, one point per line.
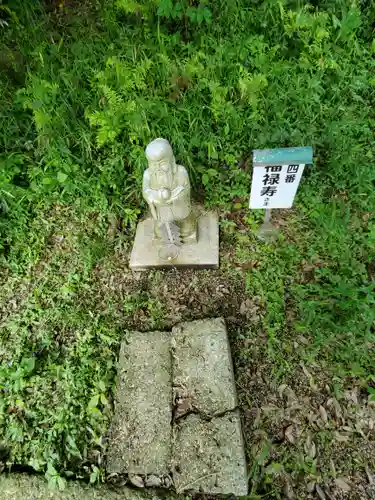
176	235
166	188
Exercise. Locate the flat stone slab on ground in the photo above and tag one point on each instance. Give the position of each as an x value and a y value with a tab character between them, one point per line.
203	254
140	437
202	365
209	455
200	444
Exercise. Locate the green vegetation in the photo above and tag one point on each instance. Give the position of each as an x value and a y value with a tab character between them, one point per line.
84	86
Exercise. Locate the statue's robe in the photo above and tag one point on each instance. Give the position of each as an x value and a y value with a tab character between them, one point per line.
156	179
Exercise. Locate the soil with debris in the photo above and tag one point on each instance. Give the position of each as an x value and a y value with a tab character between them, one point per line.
298	434
303	437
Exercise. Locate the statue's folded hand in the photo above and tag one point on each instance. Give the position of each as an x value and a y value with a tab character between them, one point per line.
152	196
176	193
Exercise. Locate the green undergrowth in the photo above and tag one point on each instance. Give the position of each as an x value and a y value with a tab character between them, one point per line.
83	89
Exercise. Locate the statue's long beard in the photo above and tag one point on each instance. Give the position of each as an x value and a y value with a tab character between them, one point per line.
162	179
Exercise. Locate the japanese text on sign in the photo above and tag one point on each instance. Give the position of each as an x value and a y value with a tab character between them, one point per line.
275	186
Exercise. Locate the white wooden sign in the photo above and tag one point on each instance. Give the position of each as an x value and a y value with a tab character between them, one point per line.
274	184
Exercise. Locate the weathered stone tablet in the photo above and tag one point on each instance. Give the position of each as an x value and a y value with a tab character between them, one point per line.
209	455
202	365
140	436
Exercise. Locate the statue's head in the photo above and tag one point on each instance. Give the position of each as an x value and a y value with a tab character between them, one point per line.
160	156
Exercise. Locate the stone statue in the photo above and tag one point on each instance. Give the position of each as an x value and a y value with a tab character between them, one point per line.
176	235
166	188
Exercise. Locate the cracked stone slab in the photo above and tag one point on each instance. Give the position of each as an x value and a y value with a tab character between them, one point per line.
140	435
209	455
202	365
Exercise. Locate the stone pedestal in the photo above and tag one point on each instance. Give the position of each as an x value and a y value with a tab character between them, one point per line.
203	254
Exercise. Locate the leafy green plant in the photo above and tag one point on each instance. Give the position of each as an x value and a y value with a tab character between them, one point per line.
181	9
54	479
168	9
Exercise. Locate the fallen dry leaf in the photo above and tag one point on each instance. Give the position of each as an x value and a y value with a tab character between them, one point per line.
312	450
288	433
366	216
369	476
243	308
328	493
291	395
323	414
346	428
332	467
305	371
309	377
257	418
310	447
340	437
302	340
249	265
136	481
320	492
183	406
288	491
337	408
311	486
342	484
282	389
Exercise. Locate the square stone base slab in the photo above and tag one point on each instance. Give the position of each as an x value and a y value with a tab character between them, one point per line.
204	254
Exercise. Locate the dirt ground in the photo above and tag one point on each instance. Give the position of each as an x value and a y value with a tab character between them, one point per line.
302	438
22	486
309	433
